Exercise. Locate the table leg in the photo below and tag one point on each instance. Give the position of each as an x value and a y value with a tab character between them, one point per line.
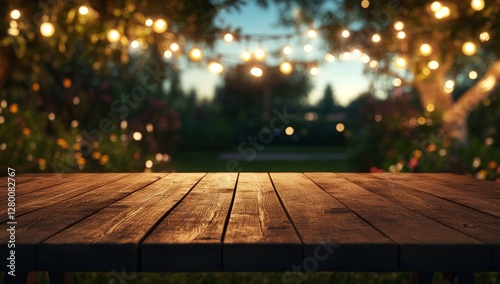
422	277
459	278
57	277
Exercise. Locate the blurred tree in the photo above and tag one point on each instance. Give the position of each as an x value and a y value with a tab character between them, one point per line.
328	104
428	45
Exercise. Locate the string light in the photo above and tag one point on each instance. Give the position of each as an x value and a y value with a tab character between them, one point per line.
443	12
345	33
340	127
160	26
174	47
195	54
215	67
83	10
396	82
400	62
469	48
47	29
435	6
477	5
398	26
286	68
289	131
314	71
433	65
373	64
149	164
473	75
52	116
149	127
401	35
484	36
168	54
330	58
425	49
365	4
308	48
287	50
228	37
113	36
260	54
137	136
365	58
430	108
449	86
246	56
149	22
15	14
134	44
256	71
376	38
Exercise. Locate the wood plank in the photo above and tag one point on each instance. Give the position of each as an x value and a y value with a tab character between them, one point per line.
424	244
451	187
469	221
190	237
54	194
109	239
35	227
334	238
259	235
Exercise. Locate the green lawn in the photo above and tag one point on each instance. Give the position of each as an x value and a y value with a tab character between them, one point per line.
246	277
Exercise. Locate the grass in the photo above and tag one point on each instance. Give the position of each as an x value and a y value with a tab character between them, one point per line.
252	277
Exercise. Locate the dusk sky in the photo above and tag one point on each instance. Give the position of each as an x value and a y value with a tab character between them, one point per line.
346	77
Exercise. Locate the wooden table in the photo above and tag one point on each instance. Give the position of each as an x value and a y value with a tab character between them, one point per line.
254	222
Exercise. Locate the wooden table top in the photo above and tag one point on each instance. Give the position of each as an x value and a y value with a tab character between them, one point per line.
254	222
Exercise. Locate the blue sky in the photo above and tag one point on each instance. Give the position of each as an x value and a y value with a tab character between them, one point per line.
346	77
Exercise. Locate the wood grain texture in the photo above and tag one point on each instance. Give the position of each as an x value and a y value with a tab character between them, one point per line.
190	237
109	239
41	198
423	243
35	227
334	237
259	236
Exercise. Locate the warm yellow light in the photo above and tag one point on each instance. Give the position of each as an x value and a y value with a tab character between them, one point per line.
314	71
311	33
15	14
195	54
83	10
228	37
137	136
401	35
398	26
365	58
308	48
149	164
160	26
469	48
215	67
473	75
289	131
340	127
149	22
134	44
477	5
449	86
401	62
13	31
430	108
421	120
330	58
345	33
168	54
246	56
174	47
114	35
433	65
149	127
287	50
484	36
426	49
396	82
256	71
374	64
47	29
260	54
286	68
376	38
365	4
442	13
435	6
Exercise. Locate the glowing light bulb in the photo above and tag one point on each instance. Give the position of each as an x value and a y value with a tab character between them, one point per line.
449	86
15	14
113	35
256	71
435	6
215	67
430	107
484	36
168	54
134	44
149	22
174	47
314	71
473	75
286	68
330	58
425	49
289	131
308	48
287	50
345	33
401	35
443	12
137	136
477	5
47	29
340	127
396	82
376	38
365	4
400	62
260	54
311	33
246	56
398	26
228	37
374	64
195	54
433	65
160	26
149	164
83	10
469	48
